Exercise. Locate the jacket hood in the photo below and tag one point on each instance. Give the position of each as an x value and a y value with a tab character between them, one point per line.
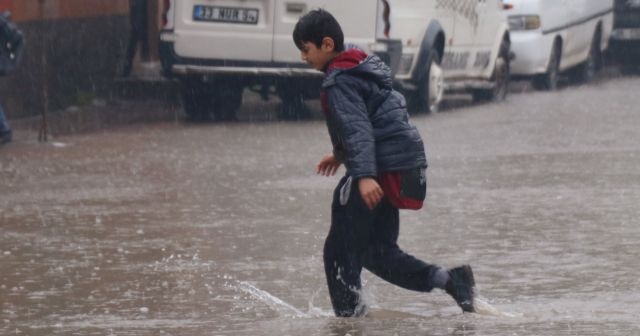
347	59
357	63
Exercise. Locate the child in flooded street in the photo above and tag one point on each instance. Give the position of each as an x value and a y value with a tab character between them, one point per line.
385	164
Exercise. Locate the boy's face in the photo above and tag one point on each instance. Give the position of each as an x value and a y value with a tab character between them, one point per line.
316	57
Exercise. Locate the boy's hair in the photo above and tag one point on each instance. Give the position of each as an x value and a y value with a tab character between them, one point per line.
315	26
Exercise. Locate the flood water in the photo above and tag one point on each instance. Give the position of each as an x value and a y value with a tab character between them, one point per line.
177	229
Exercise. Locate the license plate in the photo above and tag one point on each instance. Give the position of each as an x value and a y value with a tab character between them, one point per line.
226	14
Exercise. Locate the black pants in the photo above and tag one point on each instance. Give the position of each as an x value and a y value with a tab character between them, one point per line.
361	238
138	22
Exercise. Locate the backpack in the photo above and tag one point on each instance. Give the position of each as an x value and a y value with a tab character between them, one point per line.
11	45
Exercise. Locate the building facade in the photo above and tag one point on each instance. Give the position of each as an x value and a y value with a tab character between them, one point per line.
74	53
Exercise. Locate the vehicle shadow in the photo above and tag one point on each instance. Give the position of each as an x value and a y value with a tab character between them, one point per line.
256	109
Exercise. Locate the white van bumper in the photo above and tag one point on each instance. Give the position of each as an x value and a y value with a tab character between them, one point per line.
175	65
181	69
532	50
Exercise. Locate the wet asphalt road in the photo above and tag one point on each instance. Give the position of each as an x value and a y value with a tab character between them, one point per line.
217	229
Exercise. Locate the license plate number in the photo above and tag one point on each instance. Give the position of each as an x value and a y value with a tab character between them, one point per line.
226	14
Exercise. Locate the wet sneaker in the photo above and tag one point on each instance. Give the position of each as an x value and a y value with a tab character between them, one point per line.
461	287
5	137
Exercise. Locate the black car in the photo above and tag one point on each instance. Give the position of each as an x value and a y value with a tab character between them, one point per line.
625	38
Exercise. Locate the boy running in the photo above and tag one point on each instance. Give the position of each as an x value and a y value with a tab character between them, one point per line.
385	161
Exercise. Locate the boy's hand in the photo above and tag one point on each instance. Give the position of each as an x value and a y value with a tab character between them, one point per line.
328	166
370	191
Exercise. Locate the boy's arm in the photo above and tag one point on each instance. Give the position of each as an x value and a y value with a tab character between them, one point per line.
351	120
328	166
370	191
356	132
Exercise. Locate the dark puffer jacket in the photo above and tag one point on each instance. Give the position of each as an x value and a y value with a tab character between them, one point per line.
11	44
368	120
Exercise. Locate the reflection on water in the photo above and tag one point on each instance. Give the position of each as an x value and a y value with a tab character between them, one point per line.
218	229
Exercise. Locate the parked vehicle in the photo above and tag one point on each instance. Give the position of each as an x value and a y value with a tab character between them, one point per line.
550	37
452	46
217	48
625	38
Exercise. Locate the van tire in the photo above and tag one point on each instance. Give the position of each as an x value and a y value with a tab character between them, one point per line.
292	107
586	71
227	100
422	100
196	100
549	80
292	95
206	101
501	77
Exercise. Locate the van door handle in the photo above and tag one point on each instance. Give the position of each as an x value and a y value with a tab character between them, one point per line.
296	8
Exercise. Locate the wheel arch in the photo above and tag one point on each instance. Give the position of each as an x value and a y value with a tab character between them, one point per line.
505	45
434	38
498	45
599	32
559	42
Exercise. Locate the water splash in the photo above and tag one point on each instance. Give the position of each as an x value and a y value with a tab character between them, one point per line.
314	311
272	301
60	144
485	308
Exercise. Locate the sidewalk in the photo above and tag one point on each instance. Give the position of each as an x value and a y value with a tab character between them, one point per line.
145	96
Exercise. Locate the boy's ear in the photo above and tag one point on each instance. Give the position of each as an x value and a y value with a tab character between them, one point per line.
328	44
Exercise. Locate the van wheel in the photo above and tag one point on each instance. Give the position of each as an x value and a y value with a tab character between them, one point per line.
197	100
228	100
549	80
430	85
206	102
501	78
586	71
293	106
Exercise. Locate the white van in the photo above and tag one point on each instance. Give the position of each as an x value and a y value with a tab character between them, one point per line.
550	37
216	48
459	45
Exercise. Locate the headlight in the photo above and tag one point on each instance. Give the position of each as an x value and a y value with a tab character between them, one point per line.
524	22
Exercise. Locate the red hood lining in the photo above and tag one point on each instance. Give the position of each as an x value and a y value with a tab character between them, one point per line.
347	60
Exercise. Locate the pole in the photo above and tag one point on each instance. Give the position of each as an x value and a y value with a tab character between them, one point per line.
44	127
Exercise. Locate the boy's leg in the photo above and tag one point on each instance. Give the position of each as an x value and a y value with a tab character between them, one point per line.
343	251
130	55
138	27
388	261
343	269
